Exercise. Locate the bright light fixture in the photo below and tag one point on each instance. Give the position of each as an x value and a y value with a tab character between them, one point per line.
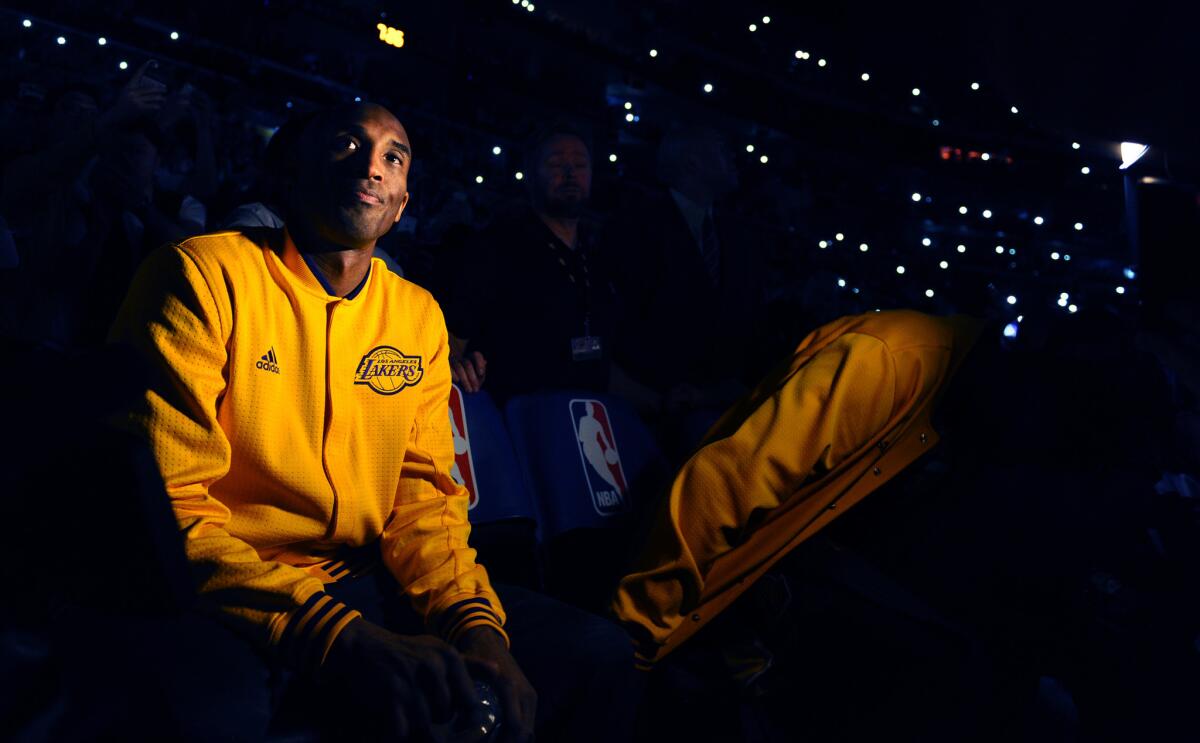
1131	152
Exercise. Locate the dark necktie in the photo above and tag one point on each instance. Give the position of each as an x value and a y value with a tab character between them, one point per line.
710	250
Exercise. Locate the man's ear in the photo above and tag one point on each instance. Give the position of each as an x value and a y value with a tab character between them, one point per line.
403	203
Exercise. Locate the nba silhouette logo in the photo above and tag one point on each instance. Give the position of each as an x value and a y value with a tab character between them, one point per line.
463	469
599	456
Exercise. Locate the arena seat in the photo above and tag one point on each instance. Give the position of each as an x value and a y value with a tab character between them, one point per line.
584	455
502	512
591	465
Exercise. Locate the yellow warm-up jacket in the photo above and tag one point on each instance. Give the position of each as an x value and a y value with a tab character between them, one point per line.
849	411
300	435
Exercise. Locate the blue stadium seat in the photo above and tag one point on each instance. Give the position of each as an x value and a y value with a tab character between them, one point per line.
584	456
485	461
503	515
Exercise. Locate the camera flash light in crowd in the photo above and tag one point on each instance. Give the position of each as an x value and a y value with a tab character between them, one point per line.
763	159
629	118
866	77
1062	301
999	250
479	179
985	157
653	52
926	242
1011	299
1078	226
358	99
962	248
974	86
842	283
519	175
1010	330
1066	256
1014	110
863	247
1131	152
1074	145
496	150
916	91
839	237
1120	290
916	197
61	40
766	19
1054	256
753	28
987	213
900	269
821	62
1072	308
1038	220
936	122
174	36
944	265
628	105
1085	170
929	293
101	41
962	210
823	244
1130	274
123	65
27	23
612	157
749	148
708	87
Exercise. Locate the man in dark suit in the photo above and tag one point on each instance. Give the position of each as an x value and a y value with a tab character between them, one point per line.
689	281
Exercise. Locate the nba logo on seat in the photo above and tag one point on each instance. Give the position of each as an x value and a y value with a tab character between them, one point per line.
463	469
599	457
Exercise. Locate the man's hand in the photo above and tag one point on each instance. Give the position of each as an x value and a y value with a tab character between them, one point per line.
402	683
469	370
137	99
488	657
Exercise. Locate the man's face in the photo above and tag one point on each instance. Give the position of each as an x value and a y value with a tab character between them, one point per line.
352	178
564	177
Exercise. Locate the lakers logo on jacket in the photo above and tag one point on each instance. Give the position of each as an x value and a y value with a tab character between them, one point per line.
387	370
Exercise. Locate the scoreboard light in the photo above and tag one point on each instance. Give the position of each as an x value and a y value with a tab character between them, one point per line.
390	36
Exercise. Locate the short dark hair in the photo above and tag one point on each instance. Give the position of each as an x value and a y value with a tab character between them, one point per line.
543	134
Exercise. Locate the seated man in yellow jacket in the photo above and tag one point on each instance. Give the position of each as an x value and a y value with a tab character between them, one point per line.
300	425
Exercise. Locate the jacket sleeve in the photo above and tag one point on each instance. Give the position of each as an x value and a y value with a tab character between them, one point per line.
179	319
424	541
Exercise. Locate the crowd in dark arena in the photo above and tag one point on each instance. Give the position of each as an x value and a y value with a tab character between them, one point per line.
512	370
